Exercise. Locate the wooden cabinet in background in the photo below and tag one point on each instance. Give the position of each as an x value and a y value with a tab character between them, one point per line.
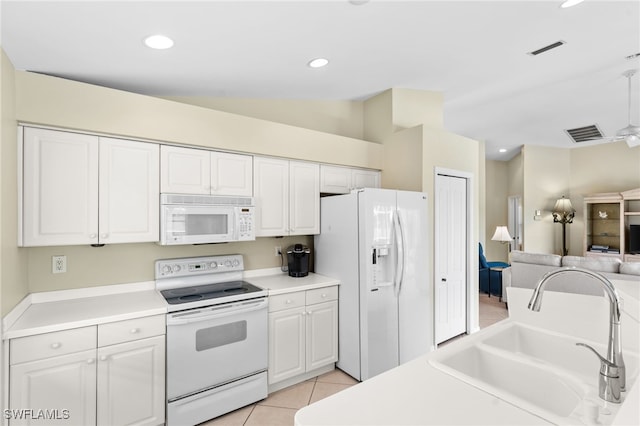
608	217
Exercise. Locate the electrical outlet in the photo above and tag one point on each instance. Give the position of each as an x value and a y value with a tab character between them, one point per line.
58	264
278	251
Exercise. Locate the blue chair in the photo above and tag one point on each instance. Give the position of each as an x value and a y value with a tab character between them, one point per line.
490	281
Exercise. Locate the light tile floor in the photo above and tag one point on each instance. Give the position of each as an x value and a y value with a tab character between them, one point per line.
279	408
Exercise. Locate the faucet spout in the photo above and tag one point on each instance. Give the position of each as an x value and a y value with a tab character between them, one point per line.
614	348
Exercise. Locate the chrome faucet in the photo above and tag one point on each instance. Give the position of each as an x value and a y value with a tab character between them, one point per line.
612	368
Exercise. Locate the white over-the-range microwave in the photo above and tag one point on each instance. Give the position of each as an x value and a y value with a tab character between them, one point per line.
204	219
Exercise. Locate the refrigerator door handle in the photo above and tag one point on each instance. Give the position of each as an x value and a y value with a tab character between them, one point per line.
400	247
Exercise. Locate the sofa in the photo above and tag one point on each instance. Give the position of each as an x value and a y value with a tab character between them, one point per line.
527	269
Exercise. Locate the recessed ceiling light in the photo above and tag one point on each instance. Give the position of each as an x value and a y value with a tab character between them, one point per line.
318	62
569	3
158	41
502	150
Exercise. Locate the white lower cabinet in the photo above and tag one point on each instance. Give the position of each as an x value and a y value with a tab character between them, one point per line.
303	332
69	378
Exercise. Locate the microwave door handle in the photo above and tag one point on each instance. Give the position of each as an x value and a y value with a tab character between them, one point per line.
200	316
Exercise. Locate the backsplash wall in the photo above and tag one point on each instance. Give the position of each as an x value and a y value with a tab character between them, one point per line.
128	263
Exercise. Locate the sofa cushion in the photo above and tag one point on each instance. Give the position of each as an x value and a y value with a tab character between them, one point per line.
593	264
630	268
536	258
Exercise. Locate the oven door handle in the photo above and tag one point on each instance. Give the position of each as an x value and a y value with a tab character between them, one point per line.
200	316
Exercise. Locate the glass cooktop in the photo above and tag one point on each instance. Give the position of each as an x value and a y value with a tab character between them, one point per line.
176	296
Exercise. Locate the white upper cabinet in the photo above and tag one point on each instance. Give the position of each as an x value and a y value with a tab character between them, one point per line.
83	189
341	180
60	188
198	171
287	195
304	198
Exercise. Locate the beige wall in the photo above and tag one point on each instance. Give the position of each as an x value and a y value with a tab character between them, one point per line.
124	263
403	160
612	167
13	260
343	118
64	103
544	174
546	177
397	109
497	185
442	149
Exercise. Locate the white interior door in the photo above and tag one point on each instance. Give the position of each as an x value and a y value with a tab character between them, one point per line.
451	257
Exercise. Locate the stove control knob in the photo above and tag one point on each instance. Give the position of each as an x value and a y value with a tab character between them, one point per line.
236	262
213	265
227	263
176	268
166	269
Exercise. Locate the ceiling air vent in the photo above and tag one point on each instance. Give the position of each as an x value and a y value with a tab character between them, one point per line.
585	134
547	48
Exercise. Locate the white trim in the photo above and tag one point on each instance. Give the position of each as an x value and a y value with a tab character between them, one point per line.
20	181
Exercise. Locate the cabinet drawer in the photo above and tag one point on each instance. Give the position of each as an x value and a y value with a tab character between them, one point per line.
48	345
324	294
286	301
133	329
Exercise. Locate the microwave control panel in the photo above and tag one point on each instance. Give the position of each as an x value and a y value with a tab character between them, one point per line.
246	228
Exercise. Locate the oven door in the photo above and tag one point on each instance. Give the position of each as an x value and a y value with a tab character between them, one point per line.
214	345
182	224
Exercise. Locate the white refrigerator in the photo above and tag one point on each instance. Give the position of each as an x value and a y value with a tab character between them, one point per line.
375	242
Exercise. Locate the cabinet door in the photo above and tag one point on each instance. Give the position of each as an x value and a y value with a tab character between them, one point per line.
63	386
304	198
271	192
335	180
322	334
60	188
185	170
365	178
231	174
286	344
131	383
129	191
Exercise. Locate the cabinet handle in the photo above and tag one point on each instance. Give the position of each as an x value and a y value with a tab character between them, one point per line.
56	345
134	330
288	302
93	236
324	295
104	357
90	361
104	235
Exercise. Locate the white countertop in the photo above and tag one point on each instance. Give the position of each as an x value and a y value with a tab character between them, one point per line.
417	393
281	283
43	313
414	393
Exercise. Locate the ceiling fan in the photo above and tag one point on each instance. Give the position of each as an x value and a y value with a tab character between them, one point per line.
631	133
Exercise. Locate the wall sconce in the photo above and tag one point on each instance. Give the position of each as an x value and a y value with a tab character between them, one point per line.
563	212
